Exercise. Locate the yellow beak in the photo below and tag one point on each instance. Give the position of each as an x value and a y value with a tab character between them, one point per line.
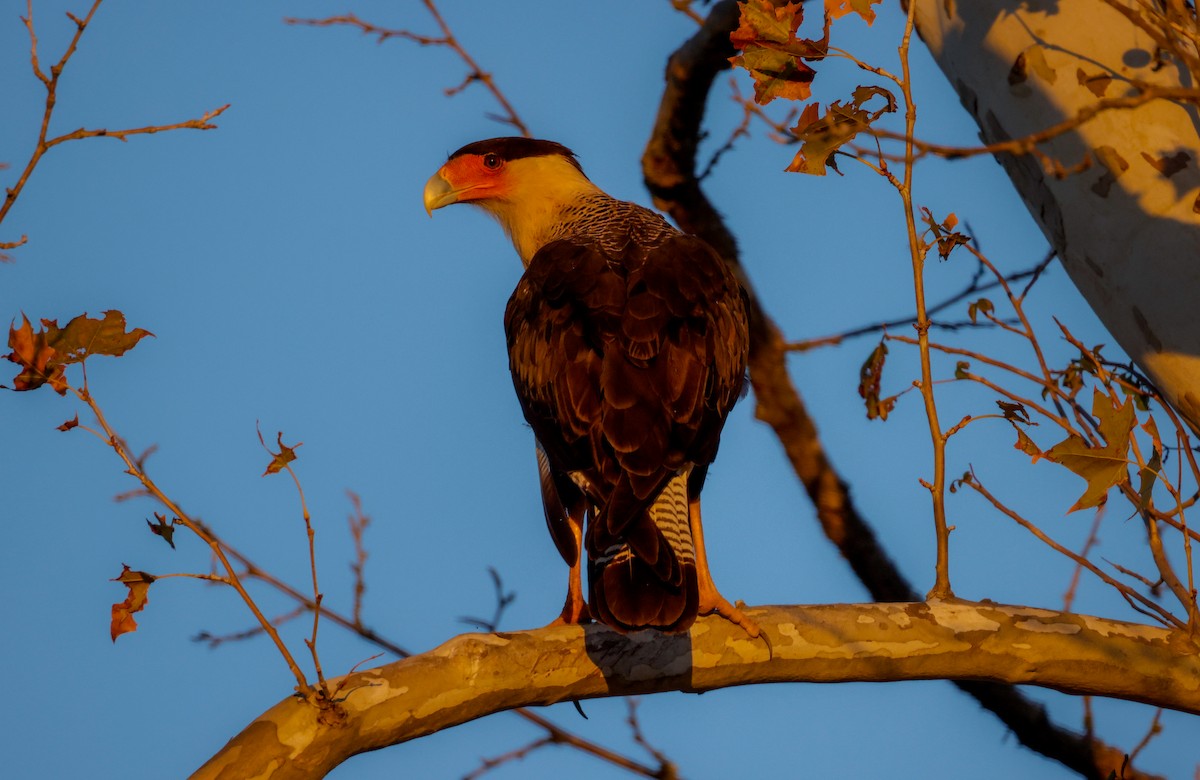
438	193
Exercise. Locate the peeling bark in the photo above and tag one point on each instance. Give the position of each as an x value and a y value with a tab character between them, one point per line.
1126	229
475	675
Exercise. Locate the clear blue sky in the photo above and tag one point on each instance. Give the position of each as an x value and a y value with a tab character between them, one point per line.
291	277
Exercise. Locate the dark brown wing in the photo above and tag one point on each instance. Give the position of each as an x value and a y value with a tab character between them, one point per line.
626	365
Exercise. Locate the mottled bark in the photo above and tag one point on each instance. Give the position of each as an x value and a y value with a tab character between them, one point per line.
1127	229
479	674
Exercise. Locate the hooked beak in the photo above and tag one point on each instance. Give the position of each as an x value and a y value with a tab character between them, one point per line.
438	193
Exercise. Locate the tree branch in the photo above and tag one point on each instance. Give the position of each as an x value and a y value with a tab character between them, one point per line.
669	167
474	675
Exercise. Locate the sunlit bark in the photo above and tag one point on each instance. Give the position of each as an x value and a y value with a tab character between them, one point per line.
1127	228
478	674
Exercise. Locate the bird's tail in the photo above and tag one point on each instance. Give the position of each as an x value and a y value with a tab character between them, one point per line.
648	579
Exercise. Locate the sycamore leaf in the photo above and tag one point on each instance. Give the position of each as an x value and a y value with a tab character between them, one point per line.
870	377
1102	467
43	355
962	370
163	528
69	424
839	8
821	136
282	458
771	52
138	583
83	337
38	360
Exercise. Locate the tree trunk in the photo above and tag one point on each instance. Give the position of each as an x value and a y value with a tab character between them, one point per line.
474	675
1126	227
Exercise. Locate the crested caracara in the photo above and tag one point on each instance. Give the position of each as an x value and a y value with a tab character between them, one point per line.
627	342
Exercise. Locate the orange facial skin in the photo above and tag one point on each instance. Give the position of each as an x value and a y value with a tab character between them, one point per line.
466	178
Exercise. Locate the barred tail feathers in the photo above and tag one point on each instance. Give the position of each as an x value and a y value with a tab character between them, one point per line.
629	592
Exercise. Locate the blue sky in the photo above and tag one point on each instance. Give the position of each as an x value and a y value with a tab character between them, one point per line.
292	279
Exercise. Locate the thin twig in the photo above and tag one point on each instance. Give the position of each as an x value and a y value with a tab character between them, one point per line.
447	39
1156	611
917	250
974	287
216	640
1092	539
358	524
44	144
200	530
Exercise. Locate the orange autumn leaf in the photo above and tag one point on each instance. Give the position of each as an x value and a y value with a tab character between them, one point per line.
821	136
280	459
839	8
138	583
772	53
38	360
44	354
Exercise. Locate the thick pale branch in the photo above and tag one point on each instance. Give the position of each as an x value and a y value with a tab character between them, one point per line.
474	675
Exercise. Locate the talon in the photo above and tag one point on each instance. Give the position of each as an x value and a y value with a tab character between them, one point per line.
715	603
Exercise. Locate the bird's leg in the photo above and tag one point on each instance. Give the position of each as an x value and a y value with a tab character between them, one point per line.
575	610
711	599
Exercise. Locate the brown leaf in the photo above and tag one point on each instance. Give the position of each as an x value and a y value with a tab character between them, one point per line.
943	232
163	528
84	337
1026	445
839	8
982	306
69	424
1014	412
1101	467
138	583
771	52
43	355
38	360
821	136
282	458
870	377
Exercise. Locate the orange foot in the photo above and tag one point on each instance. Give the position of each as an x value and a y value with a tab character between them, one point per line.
712	602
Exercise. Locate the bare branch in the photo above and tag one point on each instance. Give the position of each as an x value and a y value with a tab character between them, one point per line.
51	83
447	39
358	525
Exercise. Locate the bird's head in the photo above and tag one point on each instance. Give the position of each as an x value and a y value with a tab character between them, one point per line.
523	182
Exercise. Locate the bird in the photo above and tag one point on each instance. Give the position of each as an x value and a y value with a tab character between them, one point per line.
628	342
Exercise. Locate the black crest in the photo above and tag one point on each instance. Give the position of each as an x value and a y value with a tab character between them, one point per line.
514	148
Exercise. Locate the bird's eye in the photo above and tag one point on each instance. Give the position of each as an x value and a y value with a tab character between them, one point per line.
492	161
